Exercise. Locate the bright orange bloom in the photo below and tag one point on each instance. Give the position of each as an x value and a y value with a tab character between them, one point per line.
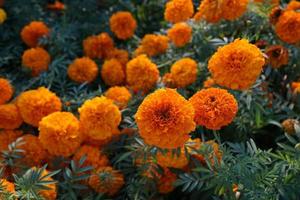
8	186
179	10
112	73
168	80
36	59
98	46
209	82
83	70
107	181
233	9
166	182
120	96
184	72
6	91
153	45
10	117
293	5
141	73
122	24
288	27
36	104
32	32
180	34
214	108
120	55
236	65
99	118
7	137
165	119
277	55
295	87
289	125
172	160
59	133
57	5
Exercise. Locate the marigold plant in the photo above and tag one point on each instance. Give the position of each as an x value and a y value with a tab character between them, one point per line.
180	34
10	117
34	31
120	96
153	45
122	24
120	55
83	70
6	90
112	73
178	10
98	46
172	160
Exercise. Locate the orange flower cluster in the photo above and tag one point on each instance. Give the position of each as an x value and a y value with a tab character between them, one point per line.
153	45
120	96
277	56
98	46
112	72
83	70
32	32
180	34
10	117
172	160
236	65
214	108
123	25
120	55
6	91
165	119
179	10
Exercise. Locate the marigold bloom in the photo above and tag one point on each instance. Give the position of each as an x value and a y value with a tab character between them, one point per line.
120	55
57	6
3	16
179	10
122	24
36	104
60	133
209	82
293	5
180	34
168	80
236	65
153	45
112	73
166	182
277	56
232	9
8	186
36	59
288	27
214	108
184	72
32	32
48	194
7	137
274	15
172	160
295	87
98	46
99	118
107	181
141	73
289	125
94	157
165	119
6	91
10	117
83	70
120	96
101	142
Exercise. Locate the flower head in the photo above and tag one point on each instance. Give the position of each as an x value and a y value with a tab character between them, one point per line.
123	25
179	10
165	119
120	96
166	182
277	56
180	34
214	108
60	133
168	80
36	104
3	16
295	87
293	5
6	91
8	186
120	55
153	45
289	126
98	46
83	70
7	137
32	32
209	82
274	15
236	65
57	6
288	27
10	117
112	73
172	160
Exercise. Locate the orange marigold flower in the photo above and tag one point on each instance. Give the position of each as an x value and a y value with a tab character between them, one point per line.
289	125
7	137
180	34
120	96
57	5
209	82
232	9
179	10
36	104
214	108
10	117
275	14
236	65
168	80
153	45
98	46
293	5
288	27
112	73
6	90
107	181
36	59
99	118
170	159
165	119
59	133
141	73
120	55
32	32
277	56
295	87
8	186
83	70
122	24
94	157
3	16
166	182
184	72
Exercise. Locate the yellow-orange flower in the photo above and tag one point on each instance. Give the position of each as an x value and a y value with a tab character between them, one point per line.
107	181
6	90
233	9
288	27
141	73
120	96
180	34
165	119
32	32
98	46
36	104
7	137
120	55
99	118
8	186
36	59
83	70
289	125
179	10
184	72
60	133
166	182
94	157
112	73
209	82
293	5
170	159
214	108
168	80
10	117
122	24
277	55
3	16
236	65
57	5
153	45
